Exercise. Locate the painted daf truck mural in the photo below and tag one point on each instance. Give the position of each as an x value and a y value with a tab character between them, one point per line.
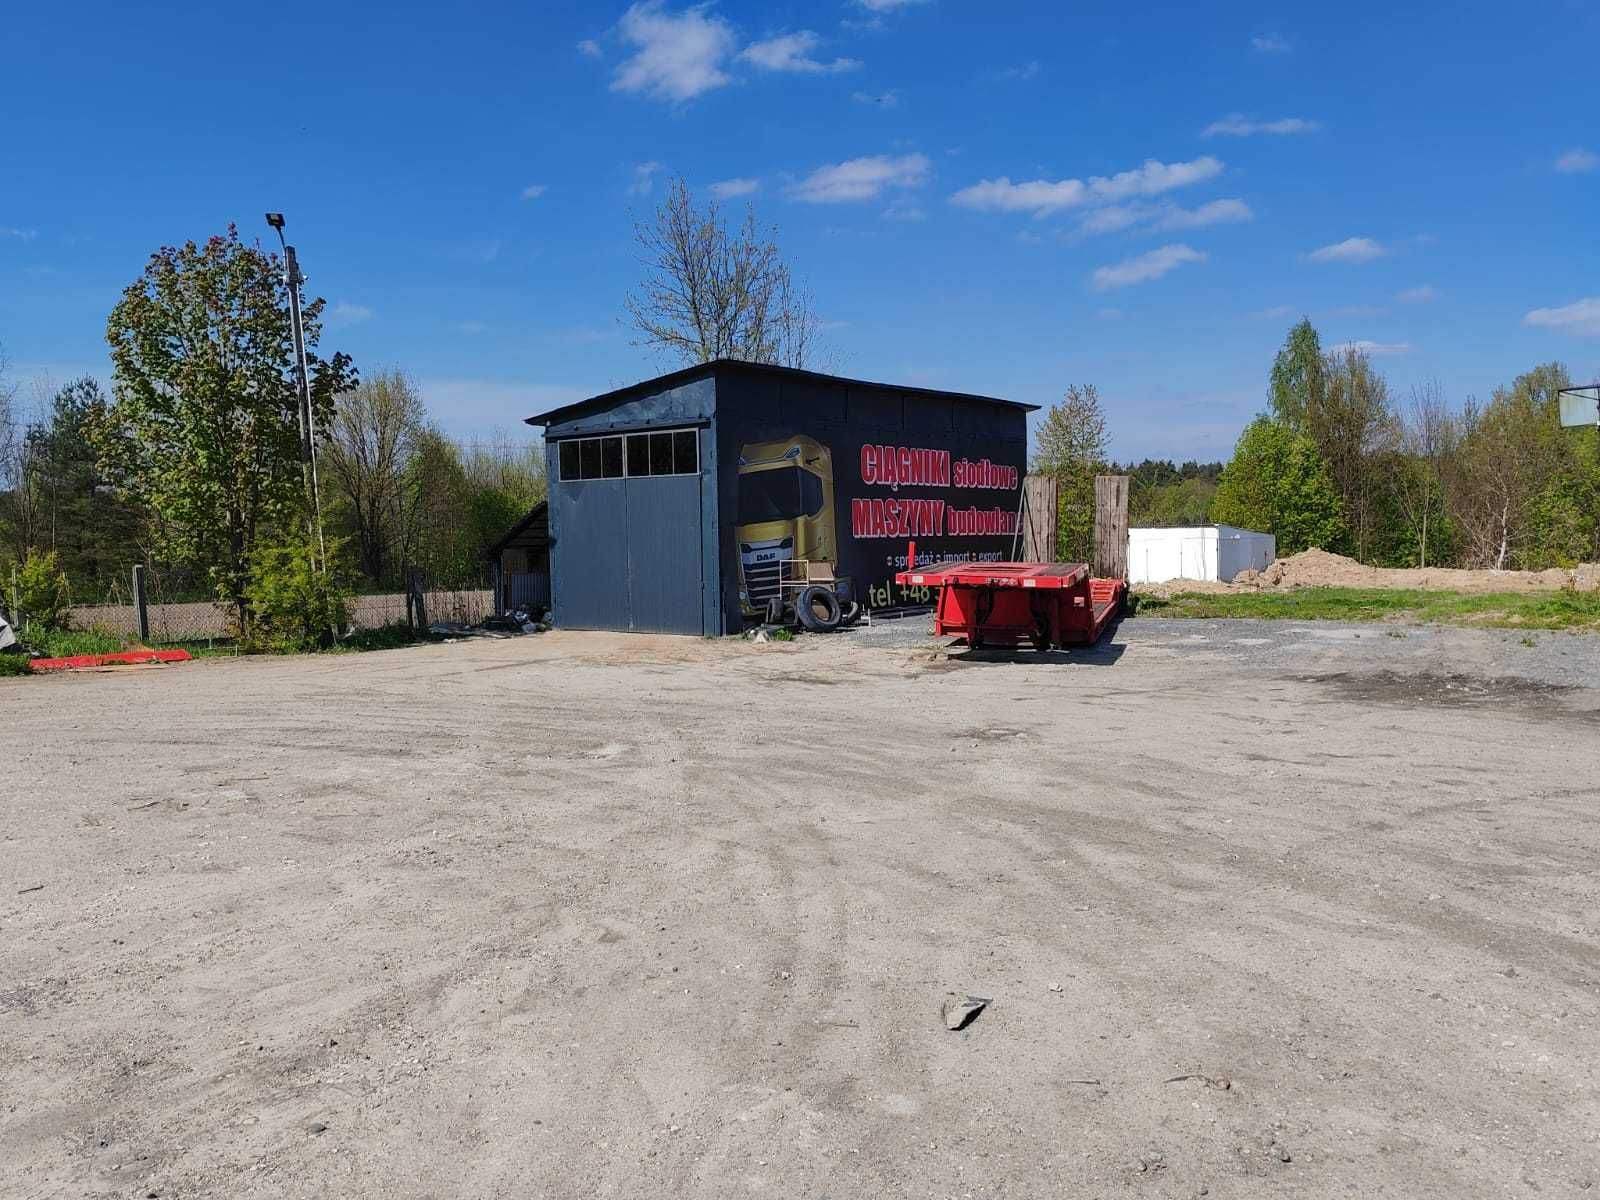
785	512
793	507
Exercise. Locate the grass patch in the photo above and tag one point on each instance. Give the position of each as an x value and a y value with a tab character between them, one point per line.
14	664
1507	610
68	643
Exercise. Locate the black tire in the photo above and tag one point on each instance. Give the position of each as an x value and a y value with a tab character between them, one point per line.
818	610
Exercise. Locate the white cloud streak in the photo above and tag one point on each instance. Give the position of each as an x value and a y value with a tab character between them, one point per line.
1424	293
883	6
1144	267
644	178
861	178
1581	317
1270	43
726	189
1578	161
1042	197
533	191
677	57
345	313
1373	349
589	48
1239	125
792	52
22	235
1351	250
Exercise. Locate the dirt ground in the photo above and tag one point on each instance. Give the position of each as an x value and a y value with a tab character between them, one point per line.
1318	568
589	915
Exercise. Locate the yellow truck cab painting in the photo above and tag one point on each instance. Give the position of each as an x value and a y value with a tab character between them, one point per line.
785	512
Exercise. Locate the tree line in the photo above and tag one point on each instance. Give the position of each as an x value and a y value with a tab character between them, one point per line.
1341	462
193	463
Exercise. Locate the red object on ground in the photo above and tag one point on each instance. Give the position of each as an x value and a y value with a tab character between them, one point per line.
121	658
1007	604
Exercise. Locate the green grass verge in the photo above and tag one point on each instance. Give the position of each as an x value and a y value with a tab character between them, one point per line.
1510	610
14	664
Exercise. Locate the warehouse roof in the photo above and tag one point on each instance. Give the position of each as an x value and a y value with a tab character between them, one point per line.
704	370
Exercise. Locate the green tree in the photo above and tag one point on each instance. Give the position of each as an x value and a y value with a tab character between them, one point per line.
79	516
370	445
203	431
1071	447
1355	433
1297	384
1277	483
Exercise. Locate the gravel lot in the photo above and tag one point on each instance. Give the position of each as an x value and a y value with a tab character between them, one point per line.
1261	909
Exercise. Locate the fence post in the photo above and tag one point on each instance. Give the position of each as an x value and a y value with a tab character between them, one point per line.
1111	526
497	602
417	604
140	608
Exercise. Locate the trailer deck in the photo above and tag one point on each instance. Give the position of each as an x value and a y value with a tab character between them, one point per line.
1012	603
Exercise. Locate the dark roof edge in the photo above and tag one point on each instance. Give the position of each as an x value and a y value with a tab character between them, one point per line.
494	550
702	370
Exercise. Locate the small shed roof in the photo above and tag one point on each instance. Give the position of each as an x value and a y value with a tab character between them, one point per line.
534	529
705	370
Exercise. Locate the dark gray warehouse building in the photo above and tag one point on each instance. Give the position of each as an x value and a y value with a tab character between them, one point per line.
673	501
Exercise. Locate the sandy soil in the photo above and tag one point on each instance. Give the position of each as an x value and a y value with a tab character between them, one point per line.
1318	568
584	915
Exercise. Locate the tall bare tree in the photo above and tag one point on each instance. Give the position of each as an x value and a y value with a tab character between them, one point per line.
1427	434
1352	427
713	292
371	442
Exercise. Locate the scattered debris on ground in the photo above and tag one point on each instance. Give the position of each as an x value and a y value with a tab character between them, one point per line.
960	1011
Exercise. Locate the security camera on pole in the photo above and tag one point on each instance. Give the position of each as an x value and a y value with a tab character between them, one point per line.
308	442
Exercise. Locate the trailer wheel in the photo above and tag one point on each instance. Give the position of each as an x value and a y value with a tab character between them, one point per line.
818	610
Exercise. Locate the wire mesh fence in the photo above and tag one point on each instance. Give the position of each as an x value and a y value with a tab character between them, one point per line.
176	610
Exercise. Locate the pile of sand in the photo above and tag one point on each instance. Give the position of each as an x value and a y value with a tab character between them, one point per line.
1318	568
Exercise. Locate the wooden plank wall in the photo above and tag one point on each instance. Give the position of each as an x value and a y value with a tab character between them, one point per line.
1111	526
1039	518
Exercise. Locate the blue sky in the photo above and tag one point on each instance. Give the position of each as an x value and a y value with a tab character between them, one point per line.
994	197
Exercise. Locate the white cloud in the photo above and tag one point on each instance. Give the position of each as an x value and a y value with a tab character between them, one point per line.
589	48
861	178
345	313
1581	317
1144	267
1276	313
644	178
1022	73
22	235
883	6
1215	212
678	55
889	99
1351	250
1270	43
904	212
1577	161
1043	197
1238	125
1424	293
793	52
1373	349
726	189
533	191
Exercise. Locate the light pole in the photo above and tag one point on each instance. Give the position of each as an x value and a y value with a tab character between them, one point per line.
308	442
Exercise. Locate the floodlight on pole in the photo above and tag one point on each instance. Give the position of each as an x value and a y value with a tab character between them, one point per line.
308	447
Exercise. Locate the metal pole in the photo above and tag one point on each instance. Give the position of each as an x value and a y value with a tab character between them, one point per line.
141	606
308	441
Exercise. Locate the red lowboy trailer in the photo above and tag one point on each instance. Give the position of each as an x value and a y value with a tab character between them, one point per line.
1009	603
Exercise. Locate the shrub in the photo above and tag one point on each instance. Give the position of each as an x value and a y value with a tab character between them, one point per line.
293	606
14	664
42	592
